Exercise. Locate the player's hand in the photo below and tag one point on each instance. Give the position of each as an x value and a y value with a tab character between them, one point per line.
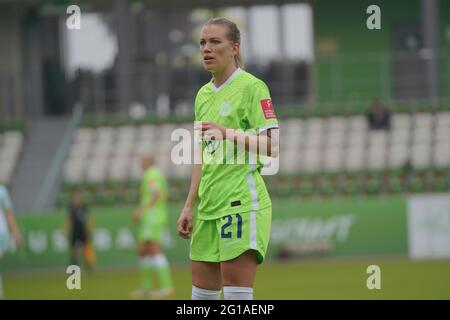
17	238
211	130
137	216
184	224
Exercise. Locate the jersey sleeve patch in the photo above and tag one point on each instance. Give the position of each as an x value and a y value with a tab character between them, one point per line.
267	108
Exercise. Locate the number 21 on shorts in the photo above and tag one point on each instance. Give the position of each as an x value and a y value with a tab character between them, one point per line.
226	234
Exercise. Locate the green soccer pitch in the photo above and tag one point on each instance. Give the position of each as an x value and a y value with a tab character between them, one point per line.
312	279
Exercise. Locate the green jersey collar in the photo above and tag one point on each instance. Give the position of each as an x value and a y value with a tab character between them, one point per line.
230	78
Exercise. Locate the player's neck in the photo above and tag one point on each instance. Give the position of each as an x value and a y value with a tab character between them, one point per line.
219	78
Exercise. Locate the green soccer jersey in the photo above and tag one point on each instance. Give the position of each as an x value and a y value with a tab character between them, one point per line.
242	102
152	181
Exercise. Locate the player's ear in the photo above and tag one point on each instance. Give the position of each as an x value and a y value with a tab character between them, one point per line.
236	47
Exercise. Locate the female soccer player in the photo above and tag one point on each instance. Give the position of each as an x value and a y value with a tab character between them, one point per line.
78	227
8	226
231	230
151	214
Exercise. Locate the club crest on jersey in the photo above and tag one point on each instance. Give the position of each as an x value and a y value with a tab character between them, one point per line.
225	109
211	146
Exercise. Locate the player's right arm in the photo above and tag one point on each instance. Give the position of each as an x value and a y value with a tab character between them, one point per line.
184	223
13	226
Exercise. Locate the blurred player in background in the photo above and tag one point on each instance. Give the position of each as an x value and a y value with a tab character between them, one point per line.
79	228
151	215
232	228
8	226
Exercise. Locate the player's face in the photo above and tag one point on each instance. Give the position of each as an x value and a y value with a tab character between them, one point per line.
145	162
77	198
216	49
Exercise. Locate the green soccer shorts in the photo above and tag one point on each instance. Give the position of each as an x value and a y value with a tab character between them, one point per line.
228	237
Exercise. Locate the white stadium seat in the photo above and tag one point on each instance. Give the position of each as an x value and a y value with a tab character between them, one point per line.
289	162
314	125
354	158
96	170
356	139
423	120
335	138
80	150
182	170
122	148
136	171
376	157
119	170
84	135
291	142
74	170
126	133
336	124
102	148
105	134
420	156
399	136
333	158
443	119
442	133
310	160
398	155
313	139
401	121
145	147
378	139
422	135
357	123
164	133
292	126
441	154
147	132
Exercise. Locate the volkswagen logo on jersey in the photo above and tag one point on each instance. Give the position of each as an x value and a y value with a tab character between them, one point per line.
211	146
225	109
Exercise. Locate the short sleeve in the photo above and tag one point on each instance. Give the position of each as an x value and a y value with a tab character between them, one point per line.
260	112
197	105
197	135
195	110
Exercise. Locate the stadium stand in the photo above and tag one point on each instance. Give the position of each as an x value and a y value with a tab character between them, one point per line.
11	144
334	155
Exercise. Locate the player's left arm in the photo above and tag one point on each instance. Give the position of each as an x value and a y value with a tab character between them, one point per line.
155	195
265	143
10	217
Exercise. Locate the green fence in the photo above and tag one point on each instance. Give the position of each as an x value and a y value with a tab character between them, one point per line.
336	227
